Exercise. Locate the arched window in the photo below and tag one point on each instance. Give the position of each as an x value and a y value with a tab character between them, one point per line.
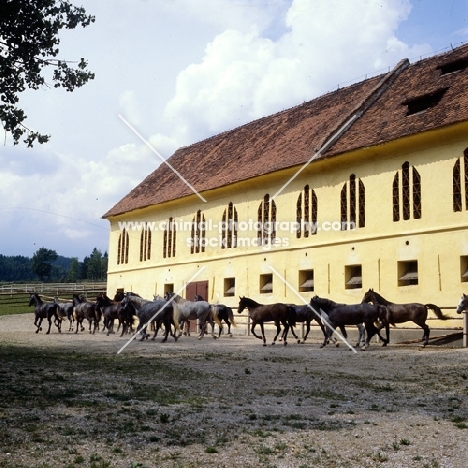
306	213
122	247
229	227
145	244
169	243
460	183
266	232
410	189
396	197
353	204
198	233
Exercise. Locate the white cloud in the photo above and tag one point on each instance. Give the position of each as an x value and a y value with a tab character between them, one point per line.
244	75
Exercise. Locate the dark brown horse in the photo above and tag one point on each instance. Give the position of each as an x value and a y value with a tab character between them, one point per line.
340	315
281	314
44	310
399	313
86	310
111	311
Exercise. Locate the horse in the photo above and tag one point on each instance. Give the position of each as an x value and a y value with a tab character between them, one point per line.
44	310
305	314
159	311
399	313
281	314
463	304
112	311
65	310
224	314
188	310
86	310
340	315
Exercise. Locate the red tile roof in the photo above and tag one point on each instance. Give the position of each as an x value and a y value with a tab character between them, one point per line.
291	137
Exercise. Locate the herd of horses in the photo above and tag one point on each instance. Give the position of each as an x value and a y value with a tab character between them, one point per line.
174	313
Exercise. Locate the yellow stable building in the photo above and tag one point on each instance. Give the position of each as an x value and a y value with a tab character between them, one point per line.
364	187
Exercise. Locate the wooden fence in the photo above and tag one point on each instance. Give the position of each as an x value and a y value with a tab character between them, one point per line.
13	296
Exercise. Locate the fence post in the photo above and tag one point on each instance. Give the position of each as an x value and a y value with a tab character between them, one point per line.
465	329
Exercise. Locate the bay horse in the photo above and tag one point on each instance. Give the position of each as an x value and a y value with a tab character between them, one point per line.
44	310
340	315
83	309
224	314
158	311
411	312
191	310
279	313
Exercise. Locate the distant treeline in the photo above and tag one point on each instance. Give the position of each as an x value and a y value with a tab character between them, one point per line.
46	265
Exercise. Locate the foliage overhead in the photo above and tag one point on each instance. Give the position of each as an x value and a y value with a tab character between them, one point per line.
29	40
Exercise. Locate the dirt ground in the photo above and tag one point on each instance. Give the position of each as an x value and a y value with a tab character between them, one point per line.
74	401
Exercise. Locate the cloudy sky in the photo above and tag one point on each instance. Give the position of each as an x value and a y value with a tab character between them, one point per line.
180	71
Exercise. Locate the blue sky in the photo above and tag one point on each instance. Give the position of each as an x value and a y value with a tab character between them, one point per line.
180	71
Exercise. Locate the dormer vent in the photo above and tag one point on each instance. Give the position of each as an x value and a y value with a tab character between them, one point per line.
453	67
424	102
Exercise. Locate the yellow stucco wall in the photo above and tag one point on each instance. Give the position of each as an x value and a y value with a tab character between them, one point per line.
437	241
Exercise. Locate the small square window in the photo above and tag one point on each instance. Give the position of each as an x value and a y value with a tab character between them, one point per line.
408	273
353	277
229	287
306	280
168	288
266	284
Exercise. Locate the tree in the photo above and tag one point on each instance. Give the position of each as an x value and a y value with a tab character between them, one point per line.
28	46
42	262
73	272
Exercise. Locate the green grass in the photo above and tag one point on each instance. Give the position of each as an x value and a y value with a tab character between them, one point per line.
14	304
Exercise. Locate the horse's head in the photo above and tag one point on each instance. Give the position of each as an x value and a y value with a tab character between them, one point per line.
168	296
369	296
119	295
242	304
32	299
463	304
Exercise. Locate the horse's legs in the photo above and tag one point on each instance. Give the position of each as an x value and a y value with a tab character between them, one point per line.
427	331
362	334
49	319
278	331
287	327
371	330
38	325
306	334
293	334
202	325
263	333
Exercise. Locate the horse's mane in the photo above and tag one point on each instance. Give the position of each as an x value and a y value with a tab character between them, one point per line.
323	302
249	302
381	300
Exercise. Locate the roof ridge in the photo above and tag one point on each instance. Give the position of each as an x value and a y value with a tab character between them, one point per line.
362	106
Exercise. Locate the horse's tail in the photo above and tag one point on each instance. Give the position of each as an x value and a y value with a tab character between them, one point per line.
292	316
215	313
231	316
437	311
